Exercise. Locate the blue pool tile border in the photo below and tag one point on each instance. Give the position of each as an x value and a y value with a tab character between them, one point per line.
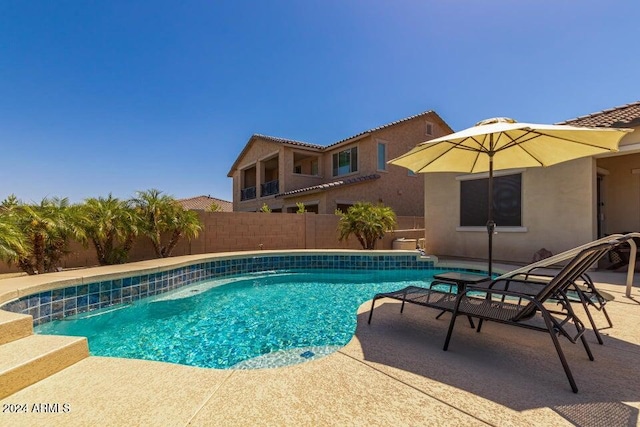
72	300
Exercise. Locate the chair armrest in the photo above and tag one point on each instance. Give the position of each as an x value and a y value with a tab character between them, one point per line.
507	283
503	292
441	282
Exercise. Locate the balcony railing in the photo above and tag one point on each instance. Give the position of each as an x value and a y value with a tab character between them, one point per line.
269	188
248	193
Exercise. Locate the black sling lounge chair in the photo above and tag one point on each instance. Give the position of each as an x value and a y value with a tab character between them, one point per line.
510	301
584	289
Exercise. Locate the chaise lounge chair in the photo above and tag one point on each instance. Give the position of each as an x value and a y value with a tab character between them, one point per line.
584	289
516	301
510	301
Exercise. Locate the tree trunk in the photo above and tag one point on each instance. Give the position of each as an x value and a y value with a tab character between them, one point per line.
38	253
26	265
175	238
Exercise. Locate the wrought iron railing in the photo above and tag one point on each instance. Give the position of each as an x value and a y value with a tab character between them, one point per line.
269	188
248	193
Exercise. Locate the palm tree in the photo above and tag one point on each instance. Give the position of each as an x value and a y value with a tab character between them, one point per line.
13	243
367	222
112	226
47	228
161	215
184	223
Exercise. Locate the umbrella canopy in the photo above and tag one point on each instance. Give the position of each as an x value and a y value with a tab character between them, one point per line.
503	143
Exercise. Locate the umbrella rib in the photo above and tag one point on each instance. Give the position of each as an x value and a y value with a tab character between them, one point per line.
538	133
453	146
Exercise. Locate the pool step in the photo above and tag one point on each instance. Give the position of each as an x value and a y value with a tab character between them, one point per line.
14	326
27	360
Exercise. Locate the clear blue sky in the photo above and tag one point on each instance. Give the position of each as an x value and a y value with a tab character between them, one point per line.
118	96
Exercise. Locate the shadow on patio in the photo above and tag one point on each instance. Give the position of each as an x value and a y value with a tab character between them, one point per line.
512	367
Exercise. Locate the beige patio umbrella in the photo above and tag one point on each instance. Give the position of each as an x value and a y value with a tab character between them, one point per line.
503	143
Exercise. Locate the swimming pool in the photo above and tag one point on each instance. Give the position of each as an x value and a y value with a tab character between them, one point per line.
255	320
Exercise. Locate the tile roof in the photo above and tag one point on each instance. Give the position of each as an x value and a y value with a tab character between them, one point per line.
331	185
203	203
621	116
425	113
288	141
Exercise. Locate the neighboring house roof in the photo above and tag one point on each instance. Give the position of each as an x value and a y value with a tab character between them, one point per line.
321	148
203	203
330	185
624	115
366	132
289	141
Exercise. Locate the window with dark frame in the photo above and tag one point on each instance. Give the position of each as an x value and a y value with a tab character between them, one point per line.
345	161
507	201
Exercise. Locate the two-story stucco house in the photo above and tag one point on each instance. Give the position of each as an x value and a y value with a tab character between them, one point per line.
557	208
281	172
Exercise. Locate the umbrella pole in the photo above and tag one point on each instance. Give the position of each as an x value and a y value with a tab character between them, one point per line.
491	225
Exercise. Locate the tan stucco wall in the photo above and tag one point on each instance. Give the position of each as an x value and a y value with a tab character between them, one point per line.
291	181
558	214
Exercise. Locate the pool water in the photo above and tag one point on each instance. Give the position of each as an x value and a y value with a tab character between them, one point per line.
252	321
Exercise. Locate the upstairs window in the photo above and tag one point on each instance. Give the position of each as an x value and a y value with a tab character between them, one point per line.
507	201
345	161
382	156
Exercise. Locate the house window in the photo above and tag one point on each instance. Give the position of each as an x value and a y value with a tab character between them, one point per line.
507	201
343	207
382	156
297	169
429	128
314	168
345	161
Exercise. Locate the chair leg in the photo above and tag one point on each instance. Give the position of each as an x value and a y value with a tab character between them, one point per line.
373	303
606	316
450	332
590	317
563	359
479	325
581	329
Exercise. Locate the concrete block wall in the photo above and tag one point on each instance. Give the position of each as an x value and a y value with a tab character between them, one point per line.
241	231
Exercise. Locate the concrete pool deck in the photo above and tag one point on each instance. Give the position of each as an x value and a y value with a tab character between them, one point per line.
393	372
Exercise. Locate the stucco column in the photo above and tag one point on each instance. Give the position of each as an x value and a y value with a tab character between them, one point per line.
259	179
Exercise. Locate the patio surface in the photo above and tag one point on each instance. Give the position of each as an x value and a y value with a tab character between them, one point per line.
393	372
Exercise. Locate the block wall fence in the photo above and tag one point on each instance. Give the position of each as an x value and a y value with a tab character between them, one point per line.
243	231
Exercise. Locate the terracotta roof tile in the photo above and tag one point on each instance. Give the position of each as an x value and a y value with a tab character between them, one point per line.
425	113
288	141
331	185
621	116
203	203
